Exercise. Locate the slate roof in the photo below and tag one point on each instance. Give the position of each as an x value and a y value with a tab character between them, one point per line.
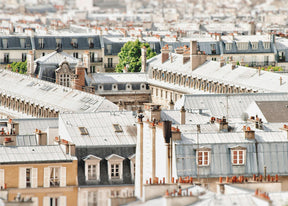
13	42
29	154
51	95
56	58
274	111
110	78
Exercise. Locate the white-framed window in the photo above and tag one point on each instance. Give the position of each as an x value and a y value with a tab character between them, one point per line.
238	156
65	80
266	45
92	168
55	201
128	87
254	45
115	167
54	176
91	43
228	46
114	87
41	43
22	43
58	42
28	177
242	45
74	43
203	157
92	198
5	43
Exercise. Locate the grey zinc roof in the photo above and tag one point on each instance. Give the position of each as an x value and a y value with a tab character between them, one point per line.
26	154
57	57
217	103
27	140
241	76
51	95
100	129
110	78
13	42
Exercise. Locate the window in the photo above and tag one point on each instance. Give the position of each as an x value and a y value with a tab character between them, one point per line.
92	168
5	43
115	171
74	43
228	46
27	177
242	45
22	43
117	128
203	158
110	62
41	43
54	201
266	45
83	130
91	43
6	58
64	80
238	157
254	45
55	176
75	55
213	48
58	43
115	167
92	198
92	172
109	49
92	57
43	54
24	57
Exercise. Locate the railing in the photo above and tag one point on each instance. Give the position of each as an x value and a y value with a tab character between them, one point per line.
109	65
98	59
259	64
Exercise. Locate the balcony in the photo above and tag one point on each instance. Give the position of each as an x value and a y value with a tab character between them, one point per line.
259	64
95	60
109	65
9	61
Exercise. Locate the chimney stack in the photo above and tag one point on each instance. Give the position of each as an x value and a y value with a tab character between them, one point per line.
196	58
79	81
167	137
171	105
154	111
41	137
165	53
249	134
222	61
143	59
183	115
186	54
223	125
233	66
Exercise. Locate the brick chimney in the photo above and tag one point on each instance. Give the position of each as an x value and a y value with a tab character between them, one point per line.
223	124
30	63
196	58
186	54
179	50
41	137
165	53
143	59
79	80
222	61
153	111
183	115
249	134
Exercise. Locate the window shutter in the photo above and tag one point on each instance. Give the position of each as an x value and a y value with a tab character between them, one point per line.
83	200
46	200
35	201
46	177
22	177
63	200
34	178
2	181
63	177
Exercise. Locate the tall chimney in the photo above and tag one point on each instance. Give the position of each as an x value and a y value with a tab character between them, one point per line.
153	127
167	137
223	125
171	105
79	81
165	53
143	59
183	115
41	137
30	63
249	134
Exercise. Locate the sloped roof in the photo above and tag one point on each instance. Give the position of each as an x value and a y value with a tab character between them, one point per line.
110	78
57	57
51	95
9	155
274	111
100	128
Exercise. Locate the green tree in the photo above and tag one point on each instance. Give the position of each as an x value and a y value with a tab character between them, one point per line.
20	67
130	56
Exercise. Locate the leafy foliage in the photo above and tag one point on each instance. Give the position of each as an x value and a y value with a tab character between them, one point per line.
20	67
130	56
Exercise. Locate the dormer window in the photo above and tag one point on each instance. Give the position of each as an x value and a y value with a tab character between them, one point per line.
128	87
254	45
83	130
74	43
213	48
22	43
5	43
238	155
242	45
114	87
203	156
41	43
109	49
117	128
266	45
58	43
92	168
228	46
91	43
115	167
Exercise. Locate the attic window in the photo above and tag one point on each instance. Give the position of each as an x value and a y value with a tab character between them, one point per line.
117	128
83	130
74	43
59	43
91	43
5	43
